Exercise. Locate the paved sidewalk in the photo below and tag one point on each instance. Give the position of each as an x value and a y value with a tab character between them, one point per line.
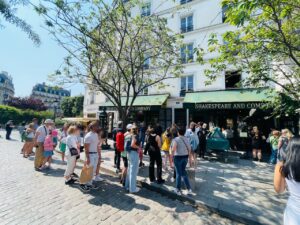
239	189
29	197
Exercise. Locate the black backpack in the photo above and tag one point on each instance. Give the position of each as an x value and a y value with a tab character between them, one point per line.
152	145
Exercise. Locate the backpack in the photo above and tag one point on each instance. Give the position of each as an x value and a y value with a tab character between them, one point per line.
120	141
152	144
127	145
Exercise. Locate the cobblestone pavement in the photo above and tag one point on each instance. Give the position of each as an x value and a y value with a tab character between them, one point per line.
30	197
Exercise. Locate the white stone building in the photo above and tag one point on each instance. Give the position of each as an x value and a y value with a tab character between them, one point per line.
7	89
188	98
51	96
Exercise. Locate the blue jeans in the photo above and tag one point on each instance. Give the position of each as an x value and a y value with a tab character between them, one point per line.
180	163
273	157
133	170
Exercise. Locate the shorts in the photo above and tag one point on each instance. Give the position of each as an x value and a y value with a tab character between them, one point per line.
48	153
62	147
125	161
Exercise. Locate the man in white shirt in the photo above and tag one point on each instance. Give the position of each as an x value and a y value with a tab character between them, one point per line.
40	136
91	142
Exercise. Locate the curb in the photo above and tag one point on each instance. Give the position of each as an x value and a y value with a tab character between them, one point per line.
182	198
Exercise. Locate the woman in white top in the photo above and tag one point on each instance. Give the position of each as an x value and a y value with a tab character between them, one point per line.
287	175
71	143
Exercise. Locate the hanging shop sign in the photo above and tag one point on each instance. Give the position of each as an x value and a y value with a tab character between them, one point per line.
136	108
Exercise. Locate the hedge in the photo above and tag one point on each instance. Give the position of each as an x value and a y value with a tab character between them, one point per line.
18	116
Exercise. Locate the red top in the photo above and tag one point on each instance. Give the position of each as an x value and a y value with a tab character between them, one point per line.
120	141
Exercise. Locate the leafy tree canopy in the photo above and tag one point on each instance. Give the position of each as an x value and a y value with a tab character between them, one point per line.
27	103
266	46
72	106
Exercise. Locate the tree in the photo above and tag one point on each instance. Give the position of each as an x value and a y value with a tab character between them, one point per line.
111	51
8	13
266	46
72	106
27	103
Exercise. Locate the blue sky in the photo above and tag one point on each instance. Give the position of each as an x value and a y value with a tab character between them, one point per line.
25	62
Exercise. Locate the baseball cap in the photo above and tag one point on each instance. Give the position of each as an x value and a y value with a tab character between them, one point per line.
129	126
48	121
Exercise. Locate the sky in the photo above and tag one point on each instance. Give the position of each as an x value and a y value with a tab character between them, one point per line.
27	63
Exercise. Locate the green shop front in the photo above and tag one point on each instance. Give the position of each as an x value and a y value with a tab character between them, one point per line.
236	109
150	109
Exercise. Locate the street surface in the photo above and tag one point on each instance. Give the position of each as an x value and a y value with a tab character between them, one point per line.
30	197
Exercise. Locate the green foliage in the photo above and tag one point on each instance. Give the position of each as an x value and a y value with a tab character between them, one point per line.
265	46
108	48
18	115
72	106
8	13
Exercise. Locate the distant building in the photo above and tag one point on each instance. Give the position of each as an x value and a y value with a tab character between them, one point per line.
51	96
7	89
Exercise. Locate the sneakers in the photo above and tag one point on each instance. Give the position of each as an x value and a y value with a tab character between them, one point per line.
190	192
43	167
74	175
98	178
84	188
136	190
70	181
178	192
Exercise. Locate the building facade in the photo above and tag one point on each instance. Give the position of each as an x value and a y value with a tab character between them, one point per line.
51	96
223	103
7	89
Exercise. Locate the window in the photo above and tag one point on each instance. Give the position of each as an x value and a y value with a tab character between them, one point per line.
187	84
232	79
146	64
146	10
92	98
145	91
184	1
224	17
187	53
187	24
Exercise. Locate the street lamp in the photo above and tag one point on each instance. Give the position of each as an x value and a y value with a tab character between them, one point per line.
103	117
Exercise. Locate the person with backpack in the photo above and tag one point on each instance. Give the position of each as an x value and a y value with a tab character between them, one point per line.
48	150
117	158
40	136
181	151
193	140
202	133
153	146
132	144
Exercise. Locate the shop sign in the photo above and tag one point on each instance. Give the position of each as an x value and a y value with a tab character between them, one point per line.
136	108
246	105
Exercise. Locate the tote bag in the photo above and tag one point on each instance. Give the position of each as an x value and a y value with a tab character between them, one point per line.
86	174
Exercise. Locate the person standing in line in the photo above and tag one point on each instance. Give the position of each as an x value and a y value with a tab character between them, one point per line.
181	151
127	137
287	176
9	127
91	142
274	139
71	143
63	141
142	133
153	146
117	158
101	142
166	140
29	140
283	142
202	133
132	145
193	140
257	143
48	150
40	136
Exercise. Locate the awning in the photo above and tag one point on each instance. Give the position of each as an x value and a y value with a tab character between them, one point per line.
226	99
142	103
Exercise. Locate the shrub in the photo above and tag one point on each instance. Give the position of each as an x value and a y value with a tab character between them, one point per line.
18	116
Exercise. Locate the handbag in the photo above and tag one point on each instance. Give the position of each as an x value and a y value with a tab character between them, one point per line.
73	151
86	174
